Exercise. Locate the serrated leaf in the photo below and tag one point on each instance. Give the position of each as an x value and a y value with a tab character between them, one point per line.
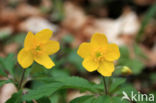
90	100
42	91
81	99
78	83
103	99
126	88
118	100
116	82
2	82
16	98
55	98
43	100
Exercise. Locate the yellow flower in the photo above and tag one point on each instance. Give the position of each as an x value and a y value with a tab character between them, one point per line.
99	55
38	48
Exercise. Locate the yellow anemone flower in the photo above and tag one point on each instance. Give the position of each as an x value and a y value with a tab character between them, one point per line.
38	48
99	55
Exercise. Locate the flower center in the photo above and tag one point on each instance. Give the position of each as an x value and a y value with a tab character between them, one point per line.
36	50
99	54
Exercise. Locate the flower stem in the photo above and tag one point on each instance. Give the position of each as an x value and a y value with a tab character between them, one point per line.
105	85
21	81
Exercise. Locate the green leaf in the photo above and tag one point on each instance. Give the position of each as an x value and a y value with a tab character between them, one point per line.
126	88
116	82
59	73
36	68
2	82
103	99
108	99
68	38
138	51
118	100
10	59
55	98
153	77
78	83
124	52
90	100
19	38
135	65
2	73
58	11
76	60
42	91
82	99
16	98
43	100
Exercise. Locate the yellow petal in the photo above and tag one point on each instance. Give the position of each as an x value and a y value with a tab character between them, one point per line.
90	65
84	50
44	34
106	68
44	60
29	40
99	39
51	47
25	58
112	53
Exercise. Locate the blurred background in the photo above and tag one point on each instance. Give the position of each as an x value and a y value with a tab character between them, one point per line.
129	23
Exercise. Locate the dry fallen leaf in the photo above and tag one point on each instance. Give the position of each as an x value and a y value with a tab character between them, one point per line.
6	92
36	24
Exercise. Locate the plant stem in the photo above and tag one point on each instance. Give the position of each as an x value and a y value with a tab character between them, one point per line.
105	85
21	81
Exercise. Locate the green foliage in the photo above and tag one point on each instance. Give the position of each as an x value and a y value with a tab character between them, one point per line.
82	99
76	60
42	91
139	52
16	98
55	98
116	82
103	99
19	38
58	11
43	100
68	38
2	72
2	82
57	73
99	99
8	63
134	63
78	83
